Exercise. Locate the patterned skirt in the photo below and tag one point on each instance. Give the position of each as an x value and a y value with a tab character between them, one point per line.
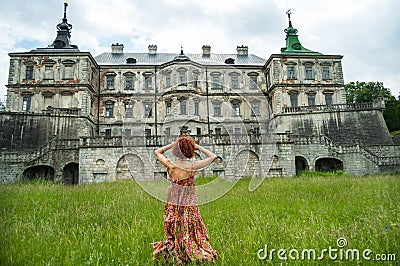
186	237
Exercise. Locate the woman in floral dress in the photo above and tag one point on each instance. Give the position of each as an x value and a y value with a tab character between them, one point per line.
185	232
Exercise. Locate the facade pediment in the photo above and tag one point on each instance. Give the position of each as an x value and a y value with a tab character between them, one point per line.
68	62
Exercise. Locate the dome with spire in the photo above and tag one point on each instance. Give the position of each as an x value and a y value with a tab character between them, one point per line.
293	45
62	41
181	56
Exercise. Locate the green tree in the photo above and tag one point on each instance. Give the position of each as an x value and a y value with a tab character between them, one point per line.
392	114
358	92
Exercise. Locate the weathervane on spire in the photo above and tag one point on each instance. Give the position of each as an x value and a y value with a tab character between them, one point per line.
289	12
65	9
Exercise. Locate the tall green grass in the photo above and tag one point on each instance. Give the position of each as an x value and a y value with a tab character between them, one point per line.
43	223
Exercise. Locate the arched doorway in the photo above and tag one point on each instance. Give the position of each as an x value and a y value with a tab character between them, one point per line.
301	164
71	174
328	165
130	166
43	172
247	164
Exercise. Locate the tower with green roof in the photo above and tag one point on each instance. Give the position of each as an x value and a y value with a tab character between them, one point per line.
293	45
299	77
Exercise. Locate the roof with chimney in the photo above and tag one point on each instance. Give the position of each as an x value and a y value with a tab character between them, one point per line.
162	58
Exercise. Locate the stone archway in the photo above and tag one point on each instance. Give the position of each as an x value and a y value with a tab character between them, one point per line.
71	174
301	164
130	166
328	165
43	172
247	164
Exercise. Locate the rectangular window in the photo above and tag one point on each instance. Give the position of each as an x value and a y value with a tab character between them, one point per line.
91	106
196	108
256	131
325	73
253	82
198	131
216	82
108	132
309	73
195	80
168	108
218	131
235	82
291	72
268	78
128	110
68	72
217	109
328	100
148	110
26	103
129	83
168	80
167	131
182	104
237	130
148	84
110	83
147	132
109	110
311	100
29	73
255	109
182	79
236	109
48	72
293	100
127	132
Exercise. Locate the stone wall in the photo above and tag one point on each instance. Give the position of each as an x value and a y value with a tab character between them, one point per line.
26	131
366	127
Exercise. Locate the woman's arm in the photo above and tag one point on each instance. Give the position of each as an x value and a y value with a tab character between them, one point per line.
203	163
159	153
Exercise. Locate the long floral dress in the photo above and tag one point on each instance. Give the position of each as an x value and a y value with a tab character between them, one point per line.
185	232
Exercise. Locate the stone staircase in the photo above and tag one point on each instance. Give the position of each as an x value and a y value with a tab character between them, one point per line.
388	158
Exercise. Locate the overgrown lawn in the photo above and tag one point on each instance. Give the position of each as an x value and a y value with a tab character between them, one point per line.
43	223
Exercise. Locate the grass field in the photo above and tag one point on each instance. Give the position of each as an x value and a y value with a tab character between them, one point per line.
43	223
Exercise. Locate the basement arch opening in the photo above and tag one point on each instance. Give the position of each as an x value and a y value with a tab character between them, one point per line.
328	165
247	164
130	166
71	174
301	164
43	172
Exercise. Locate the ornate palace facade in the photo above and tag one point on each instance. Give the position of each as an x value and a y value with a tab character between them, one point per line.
76	118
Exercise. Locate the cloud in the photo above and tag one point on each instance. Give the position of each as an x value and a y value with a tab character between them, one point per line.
366	32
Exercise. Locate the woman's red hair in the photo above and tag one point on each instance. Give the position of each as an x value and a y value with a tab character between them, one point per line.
184	147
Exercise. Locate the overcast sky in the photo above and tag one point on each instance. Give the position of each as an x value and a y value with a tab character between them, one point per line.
365	32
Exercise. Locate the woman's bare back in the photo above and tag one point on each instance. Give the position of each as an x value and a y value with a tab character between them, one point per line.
180	170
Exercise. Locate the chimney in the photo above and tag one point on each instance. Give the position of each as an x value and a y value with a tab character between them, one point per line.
242	50
152	49
206	50
117	48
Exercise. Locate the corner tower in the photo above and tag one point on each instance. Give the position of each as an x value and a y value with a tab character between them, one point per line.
301	78
55	80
